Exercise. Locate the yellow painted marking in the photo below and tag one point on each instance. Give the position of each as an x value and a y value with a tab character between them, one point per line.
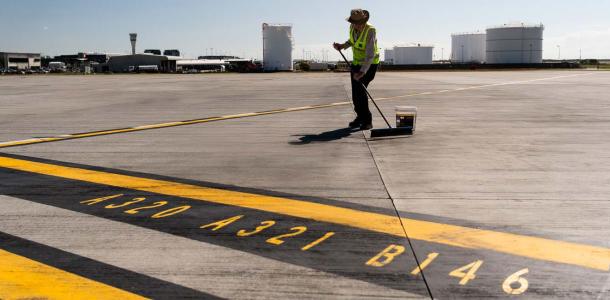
467	272
386	256
318	241
431	257
222	223
170	212
516	278
252	114
532	247
27	142
137	210
277	240
112	206
101	199
264	225
162	125
23	278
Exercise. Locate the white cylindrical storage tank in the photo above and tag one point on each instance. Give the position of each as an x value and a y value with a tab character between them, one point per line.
388	56
468	47
413	55
277	47
514	44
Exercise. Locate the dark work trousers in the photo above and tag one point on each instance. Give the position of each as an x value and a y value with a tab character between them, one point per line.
359	97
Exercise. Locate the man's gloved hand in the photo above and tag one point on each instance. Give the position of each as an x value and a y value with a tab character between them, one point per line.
358	76
338	46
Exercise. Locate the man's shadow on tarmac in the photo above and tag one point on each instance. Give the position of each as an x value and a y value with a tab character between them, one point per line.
327	136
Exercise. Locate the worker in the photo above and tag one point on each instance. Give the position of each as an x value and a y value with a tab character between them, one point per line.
363	40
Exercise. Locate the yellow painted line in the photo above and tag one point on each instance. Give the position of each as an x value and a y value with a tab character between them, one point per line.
29	141
253	114
161	125
23	278
97	133
531	247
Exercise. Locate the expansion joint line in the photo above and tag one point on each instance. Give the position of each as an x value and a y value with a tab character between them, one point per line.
385	187
402	225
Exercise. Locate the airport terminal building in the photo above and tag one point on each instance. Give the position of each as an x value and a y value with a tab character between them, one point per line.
157	63
19	61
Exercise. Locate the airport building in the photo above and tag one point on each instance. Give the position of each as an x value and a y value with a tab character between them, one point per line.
19	61
70	59
416	54
152	61
132	63
409	54
80	62
159	63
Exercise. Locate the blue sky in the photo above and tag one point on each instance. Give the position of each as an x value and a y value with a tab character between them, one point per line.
234	26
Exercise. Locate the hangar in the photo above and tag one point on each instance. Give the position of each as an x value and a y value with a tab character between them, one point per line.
19	61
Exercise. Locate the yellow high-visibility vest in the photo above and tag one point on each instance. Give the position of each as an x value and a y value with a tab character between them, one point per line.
359	46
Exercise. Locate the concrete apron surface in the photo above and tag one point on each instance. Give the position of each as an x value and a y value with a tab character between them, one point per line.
502	190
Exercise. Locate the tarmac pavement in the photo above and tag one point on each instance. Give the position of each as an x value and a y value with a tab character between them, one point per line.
502	191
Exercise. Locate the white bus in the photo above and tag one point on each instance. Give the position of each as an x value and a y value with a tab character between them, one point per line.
57	66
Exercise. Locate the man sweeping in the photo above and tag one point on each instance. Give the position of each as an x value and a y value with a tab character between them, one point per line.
363	40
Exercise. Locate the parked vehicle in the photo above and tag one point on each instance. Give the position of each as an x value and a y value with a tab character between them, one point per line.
57	66
153	51
148	69
171	52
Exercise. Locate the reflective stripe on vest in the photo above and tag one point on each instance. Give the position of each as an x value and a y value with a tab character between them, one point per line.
359	46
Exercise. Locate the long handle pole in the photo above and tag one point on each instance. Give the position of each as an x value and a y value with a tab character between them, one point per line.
367	92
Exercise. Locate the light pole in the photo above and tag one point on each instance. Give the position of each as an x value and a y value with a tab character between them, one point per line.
442	54
558	52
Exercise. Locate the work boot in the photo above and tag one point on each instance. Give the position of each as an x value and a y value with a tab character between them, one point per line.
366	126
355	123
